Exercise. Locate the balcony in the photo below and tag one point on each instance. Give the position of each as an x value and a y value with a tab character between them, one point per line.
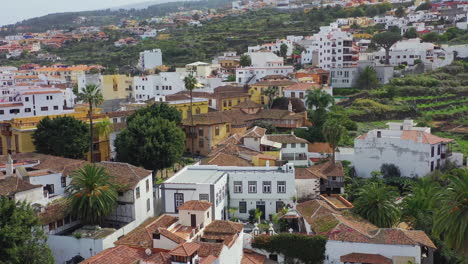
294	156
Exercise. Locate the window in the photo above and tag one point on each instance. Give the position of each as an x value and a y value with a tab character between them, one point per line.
178	200
147	185
59	223
267	187
279	206
432	165
156	236
293	145
2	112
148	205
27	110
283	145
55	107
44	108
217	131
301	95
204	197
302	145
51	226
379	134
201	143
438	149
137	191
228	129
237	187
63	181
200	131
242	207
432	151
26	99
120	193
49	188
252	187
293	94
281	187
14	111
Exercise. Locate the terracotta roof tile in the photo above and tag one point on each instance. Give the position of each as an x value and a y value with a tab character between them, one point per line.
365	258
125	174
255	132
170	235
208	260
302	87
185	249
286	138
225	159
208	248
248	104
251	257
224	227
195	205
320	147
142	236
128	255
427	138
56	210
12	185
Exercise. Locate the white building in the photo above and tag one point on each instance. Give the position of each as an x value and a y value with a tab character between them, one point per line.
410	51
263	64
150	86
414	150
353	240
274	47
149	59
27	101
265	188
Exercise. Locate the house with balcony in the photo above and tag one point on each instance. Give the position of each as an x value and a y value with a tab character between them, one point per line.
191	236
293	149
414	150
325	178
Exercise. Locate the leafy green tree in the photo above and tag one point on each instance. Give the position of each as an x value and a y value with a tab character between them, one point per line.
92	95
400	12
190	85
271	92
451	220
22	239
430	37
333	132
271	129
386	40
151	142
424	6
93	194
319	99
368	79
410	33
245	60
62	136
375	203
283	50
158	110
389	170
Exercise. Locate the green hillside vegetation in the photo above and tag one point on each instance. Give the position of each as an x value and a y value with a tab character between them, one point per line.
188	44
438	99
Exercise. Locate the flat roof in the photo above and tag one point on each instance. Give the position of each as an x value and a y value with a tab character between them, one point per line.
194	175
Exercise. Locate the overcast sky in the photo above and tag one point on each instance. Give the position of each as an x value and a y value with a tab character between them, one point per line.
12	11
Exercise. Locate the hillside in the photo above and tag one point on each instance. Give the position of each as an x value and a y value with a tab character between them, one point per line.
106	17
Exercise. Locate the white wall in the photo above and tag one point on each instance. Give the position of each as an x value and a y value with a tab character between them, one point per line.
291	154
53	178
336	249
200	216
233	255
307	188
31	196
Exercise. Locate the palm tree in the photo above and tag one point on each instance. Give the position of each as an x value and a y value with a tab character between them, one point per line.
271	93
92	95
451	220
319	99
333	132
375	203
92	193
104	129
190	85
418	208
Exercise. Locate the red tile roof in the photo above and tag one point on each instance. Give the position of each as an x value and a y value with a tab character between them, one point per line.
12	185
185	249
286	138
255	132
320	147
195	205
210	249
427	138
208	260
251	257
301	87
365	258
128	255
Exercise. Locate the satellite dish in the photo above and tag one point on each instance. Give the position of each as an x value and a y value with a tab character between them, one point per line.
148	252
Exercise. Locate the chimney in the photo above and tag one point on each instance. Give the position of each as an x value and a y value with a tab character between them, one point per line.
290	109
9	166
419	137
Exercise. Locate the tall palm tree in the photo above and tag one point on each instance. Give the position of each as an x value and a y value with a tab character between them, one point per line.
190	85
271	93
319	99
92	95
333	132
375	203
92	193
451	220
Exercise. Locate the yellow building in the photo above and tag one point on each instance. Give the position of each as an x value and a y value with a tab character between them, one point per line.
116	86
68	74
200	106
16	134
256	90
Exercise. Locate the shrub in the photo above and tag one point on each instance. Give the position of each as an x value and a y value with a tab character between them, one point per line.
305	248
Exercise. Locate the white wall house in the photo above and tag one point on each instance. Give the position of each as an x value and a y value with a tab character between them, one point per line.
414	150
263	64
149	59
150	86
21	101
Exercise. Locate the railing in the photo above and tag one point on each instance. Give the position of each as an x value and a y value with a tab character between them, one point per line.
296	156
